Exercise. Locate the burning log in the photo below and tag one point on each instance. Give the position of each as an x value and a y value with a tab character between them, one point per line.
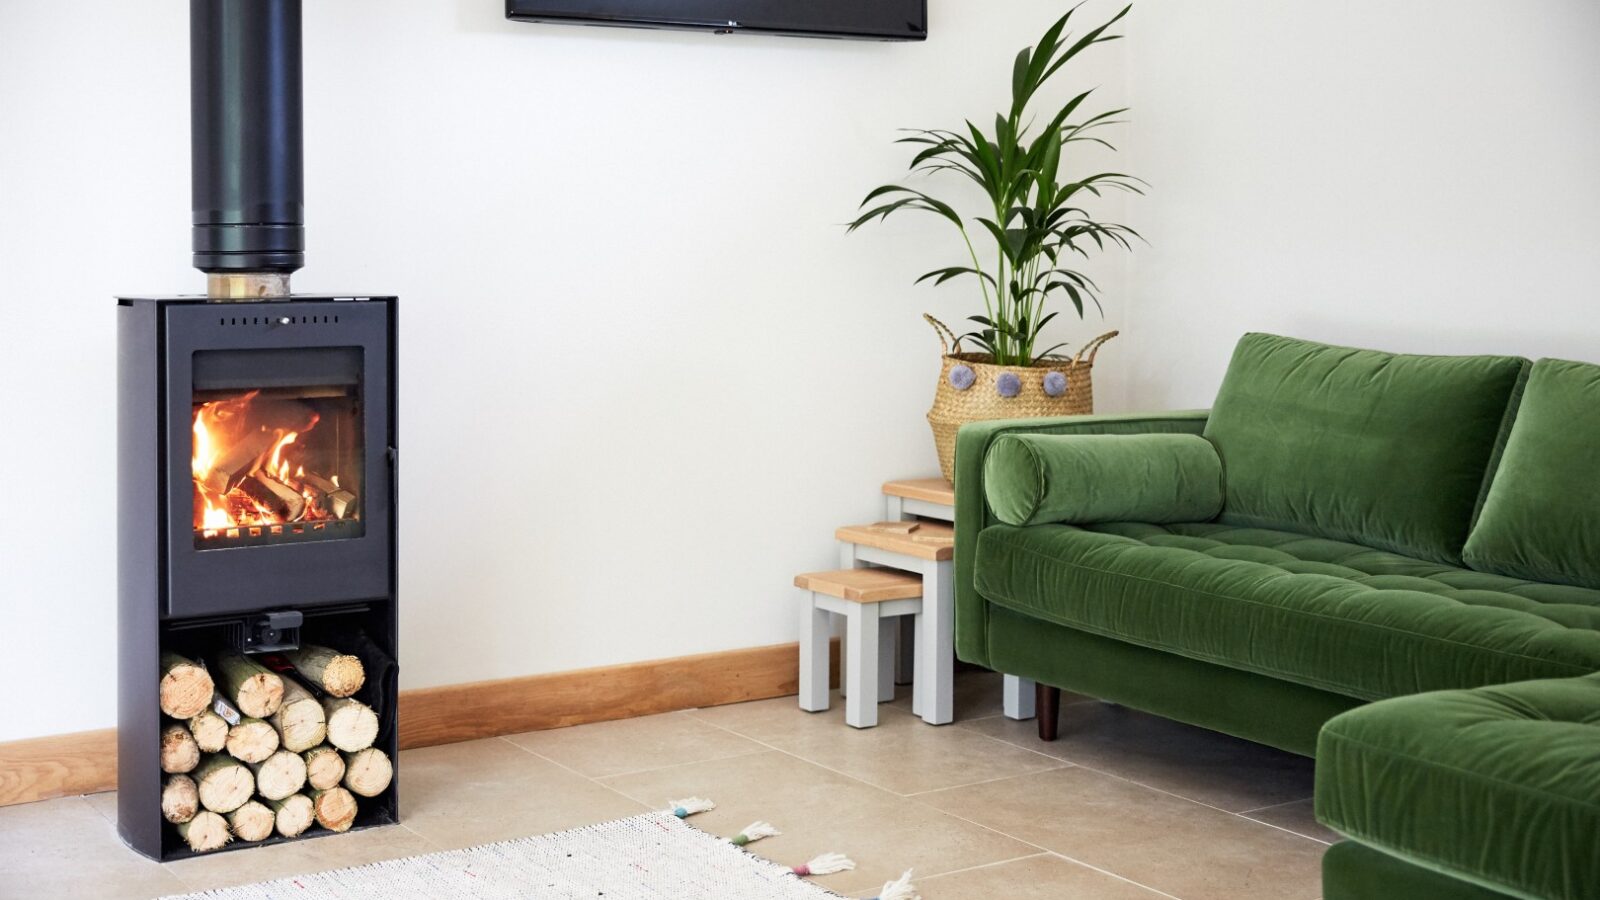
352	725
279	775
252	687
252	740
224	782
299	720
237	461
339	674
284	501
210	731
252	822
206	831
295	813
180	799
367	772
185	686
335	808
179	752
338	501
324	767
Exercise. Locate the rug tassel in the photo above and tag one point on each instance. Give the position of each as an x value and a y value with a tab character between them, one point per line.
683	809
900	889
753	832
826	864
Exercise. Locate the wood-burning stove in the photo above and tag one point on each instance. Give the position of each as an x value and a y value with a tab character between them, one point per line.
257	440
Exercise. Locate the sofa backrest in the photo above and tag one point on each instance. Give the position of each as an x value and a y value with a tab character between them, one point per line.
1380	449
1541	517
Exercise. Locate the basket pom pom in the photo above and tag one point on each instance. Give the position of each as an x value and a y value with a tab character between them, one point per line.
900	889
1055	383
962	377
1008	384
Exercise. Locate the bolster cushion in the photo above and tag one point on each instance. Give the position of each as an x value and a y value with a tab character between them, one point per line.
1032	479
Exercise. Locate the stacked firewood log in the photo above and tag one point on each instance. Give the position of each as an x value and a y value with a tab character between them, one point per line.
252	750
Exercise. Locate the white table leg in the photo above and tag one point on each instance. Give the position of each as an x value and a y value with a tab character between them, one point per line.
936	644
861	649
815	637
1019	697
887	632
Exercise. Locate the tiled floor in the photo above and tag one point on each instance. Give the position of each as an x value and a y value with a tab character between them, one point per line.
1123	806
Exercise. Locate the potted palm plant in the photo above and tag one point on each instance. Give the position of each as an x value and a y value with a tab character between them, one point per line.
1035	221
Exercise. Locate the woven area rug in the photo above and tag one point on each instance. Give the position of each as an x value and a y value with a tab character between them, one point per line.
655	856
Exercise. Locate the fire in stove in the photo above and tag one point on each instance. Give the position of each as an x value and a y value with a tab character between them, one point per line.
270	467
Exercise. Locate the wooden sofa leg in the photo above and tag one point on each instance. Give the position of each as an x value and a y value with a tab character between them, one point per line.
1047	708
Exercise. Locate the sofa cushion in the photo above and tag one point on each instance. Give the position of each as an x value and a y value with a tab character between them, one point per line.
1541	519
1084	478
1341	617
1385	450
1499	785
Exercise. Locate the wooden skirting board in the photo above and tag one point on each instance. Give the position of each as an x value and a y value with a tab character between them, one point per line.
86	762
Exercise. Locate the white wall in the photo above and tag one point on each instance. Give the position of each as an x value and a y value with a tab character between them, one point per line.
1419	176
644	372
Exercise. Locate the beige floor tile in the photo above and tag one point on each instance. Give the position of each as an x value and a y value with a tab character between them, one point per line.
65	849
1165	842
1196	763
780	718
315	854
635	745
977	695
1297	817
820	811
492	790
105	803
1044	877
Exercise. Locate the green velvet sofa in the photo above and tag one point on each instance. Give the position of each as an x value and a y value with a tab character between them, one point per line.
1388	562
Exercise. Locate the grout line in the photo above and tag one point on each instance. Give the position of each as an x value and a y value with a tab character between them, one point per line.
1246	812
952	787
987	865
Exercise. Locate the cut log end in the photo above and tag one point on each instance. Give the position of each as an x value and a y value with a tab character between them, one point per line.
252	741
324	768
281	775
224	783
180	799
256	690
300	721
338	674
185	687
179	752
205	832
294	814
335	809
368	772
210	731
252	822
352	725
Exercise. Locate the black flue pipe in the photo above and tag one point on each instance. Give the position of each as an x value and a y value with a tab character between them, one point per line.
246	135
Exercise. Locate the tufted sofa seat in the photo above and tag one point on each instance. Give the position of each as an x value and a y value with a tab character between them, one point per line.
1337	616
1498	785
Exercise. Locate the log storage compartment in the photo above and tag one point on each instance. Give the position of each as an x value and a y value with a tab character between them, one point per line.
257	597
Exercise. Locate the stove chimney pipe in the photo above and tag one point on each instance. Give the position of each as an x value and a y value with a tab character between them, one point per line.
245	123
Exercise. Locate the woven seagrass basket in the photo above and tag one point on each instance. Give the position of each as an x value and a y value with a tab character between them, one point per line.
982	400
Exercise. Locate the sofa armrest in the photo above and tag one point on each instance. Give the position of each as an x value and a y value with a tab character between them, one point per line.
972	508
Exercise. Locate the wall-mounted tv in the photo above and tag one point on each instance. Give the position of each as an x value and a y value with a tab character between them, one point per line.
884	20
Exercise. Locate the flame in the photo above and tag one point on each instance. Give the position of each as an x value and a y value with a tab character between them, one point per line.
225	432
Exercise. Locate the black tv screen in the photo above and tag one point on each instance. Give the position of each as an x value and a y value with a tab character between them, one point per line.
888	20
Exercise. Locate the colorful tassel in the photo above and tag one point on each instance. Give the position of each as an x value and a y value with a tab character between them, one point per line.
899	889
683	809
826	864
753	832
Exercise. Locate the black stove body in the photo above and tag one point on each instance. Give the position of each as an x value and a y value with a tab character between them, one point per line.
257	444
